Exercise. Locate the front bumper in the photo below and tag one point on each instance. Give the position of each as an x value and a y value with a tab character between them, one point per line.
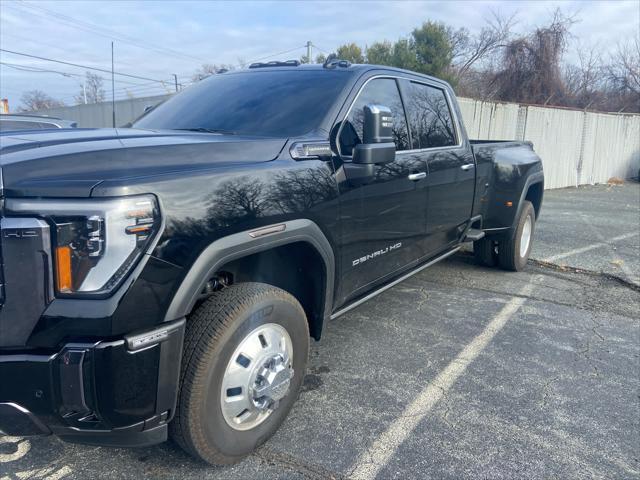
115	392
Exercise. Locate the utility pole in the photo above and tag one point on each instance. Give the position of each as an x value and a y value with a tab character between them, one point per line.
113	90
175	77
84	92
309	51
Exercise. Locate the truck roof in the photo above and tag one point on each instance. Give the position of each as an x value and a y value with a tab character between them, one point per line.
353	68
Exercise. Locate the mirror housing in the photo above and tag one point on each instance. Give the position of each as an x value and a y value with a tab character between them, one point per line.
377	145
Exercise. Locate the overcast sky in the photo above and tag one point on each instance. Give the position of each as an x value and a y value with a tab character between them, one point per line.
156	39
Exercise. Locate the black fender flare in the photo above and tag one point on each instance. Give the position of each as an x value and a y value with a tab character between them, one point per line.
242	244
534	178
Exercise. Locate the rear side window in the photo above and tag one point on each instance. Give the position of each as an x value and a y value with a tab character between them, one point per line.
380	91
430	118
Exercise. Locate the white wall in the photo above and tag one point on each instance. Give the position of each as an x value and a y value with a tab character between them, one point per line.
576	147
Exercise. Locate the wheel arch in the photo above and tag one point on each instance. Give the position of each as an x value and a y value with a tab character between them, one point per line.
534	194
532	191
296	236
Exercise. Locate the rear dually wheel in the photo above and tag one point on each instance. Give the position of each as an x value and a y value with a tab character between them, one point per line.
514	250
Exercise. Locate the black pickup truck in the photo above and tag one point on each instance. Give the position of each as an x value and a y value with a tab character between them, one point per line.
165	280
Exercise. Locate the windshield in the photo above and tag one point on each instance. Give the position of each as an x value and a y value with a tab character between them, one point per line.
269	103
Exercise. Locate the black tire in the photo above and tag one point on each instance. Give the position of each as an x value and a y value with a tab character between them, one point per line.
484	251
509	255
213	333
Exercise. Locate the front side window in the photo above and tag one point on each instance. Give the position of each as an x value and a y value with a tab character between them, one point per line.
380	91
430	119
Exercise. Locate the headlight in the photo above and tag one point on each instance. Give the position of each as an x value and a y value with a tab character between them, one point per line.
97	242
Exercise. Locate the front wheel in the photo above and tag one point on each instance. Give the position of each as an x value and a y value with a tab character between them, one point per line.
245	356
513	252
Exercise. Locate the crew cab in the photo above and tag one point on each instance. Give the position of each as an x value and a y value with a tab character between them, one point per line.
167	279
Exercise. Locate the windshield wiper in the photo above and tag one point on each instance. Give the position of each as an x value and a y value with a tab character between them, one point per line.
208	130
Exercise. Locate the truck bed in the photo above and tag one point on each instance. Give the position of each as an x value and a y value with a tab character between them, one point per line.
504	170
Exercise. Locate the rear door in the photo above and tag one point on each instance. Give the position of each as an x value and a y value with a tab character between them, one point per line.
383	221
437	138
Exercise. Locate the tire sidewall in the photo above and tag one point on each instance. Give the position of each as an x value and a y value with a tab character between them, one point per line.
527	211
225	439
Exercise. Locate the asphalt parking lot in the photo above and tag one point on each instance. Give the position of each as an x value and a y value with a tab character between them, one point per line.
595	228
459	372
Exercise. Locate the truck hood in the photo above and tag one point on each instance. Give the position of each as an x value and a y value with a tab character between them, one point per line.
69	163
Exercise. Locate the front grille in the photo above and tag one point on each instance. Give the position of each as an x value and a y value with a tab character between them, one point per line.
26	265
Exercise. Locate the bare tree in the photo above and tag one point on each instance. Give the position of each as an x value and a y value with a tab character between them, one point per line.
91	91
531	66
469	50
38	100
583	81
624	68
623	77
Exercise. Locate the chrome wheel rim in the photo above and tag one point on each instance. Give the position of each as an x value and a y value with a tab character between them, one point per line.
525	237
257	377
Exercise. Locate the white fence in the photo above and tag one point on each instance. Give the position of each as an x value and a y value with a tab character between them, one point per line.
576	147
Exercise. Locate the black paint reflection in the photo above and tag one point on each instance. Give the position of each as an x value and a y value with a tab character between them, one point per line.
231	204
429	117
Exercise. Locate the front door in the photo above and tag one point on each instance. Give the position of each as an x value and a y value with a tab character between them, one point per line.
383	221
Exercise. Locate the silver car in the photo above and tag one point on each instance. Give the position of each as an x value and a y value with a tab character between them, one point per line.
11	122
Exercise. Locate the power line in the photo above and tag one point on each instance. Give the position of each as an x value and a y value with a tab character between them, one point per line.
37	44
134	89
143	86
275	54
189	77
127	74
81	66
104	32
27	68
319	49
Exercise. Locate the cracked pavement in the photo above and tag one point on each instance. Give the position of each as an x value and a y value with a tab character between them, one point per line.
555	394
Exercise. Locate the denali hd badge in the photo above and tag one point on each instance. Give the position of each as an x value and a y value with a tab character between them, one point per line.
375	254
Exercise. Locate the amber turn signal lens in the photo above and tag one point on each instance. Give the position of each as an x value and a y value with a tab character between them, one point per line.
63	269
138	229
509	204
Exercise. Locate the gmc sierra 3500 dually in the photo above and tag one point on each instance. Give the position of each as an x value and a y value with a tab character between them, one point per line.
165	280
